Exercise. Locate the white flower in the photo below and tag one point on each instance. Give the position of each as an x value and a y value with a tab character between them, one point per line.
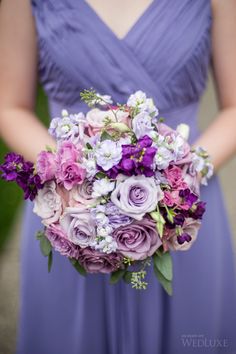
108	154
102	187
142	124
101	219
47	203
179	147
149	107
106	244
106	99
163	157
136	98
63	128
104	230
90	166
183	130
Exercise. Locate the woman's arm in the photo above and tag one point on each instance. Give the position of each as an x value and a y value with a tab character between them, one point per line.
220	137
19	127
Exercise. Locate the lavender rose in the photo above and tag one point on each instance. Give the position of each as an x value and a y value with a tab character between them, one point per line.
98	262
82	194
48	204
189	234
136	196
60	243
79	226
138	240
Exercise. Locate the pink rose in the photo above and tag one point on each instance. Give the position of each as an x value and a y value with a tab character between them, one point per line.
171	198
175	177
46	165
96	119
60	243
184	241
69	174
97	262
67	151
138	240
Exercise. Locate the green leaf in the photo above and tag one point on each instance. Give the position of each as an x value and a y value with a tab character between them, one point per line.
100	174
89	146
127	276
45	245
160	221
78	266
50	261
105	136
40	234
117	275
163	263
167	285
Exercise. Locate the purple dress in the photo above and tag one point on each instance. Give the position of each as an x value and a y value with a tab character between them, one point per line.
167	54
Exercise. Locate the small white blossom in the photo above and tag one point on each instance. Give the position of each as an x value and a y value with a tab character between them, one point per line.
108	154
163	157
102	187
136	99
105	99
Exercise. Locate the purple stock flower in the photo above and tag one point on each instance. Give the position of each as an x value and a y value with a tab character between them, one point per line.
15	168
136	159
189	198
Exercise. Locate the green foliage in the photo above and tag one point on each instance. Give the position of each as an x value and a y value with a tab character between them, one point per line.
78	266
10	194
162	263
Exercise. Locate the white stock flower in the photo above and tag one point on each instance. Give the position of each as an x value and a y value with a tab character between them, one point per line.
136	98
102	187
108	154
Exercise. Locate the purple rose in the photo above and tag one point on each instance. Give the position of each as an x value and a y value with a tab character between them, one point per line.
136	196
138	240
97	262
60	243
46	165
79	226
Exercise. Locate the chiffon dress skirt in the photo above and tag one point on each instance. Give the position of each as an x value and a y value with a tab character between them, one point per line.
167	54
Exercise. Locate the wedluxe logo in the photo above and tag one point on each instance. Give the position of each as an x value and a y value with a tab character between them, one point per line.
201	341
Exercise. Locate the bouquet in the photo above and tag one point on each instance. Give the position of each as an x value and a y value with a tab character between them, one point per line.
119	193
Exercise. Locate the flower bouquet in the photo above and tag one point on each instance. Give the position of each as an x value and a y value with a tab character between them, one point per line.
120	191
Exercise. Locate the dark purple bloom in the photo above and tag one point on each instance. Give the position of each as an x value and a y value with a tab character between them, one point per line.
184	238
15	168
198	210
188	197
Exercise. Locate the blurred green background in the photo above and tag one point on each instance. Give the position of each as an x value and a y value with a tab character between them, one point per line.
10	194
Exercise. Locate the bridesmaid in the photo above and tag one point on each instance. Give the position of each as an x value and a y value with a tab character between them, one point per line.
162	47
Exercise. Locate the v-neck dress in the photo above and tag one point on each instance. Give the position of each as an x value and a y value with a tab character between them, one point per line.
167	54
